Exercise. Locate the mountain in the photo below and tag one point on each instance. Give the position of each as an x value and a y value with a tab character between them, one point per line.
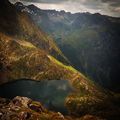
24	28
26	52
93	39
21	59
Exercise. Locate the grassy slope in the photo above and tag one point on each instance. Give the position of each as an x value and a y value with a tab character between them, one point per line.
20	26
33	62
28	61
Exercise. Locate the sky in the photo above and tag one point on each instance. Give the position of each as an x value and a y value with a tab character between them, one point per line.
106	7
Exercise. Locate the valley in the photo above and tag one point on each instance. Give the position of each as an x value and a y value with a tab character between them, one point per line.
93	39
43	57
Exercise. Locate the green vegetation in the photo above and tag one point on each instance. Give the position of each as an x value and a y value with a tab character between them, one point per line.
62	65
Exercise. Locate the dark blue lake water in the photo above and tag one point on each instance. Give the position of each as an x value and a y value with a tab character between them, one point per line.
51	93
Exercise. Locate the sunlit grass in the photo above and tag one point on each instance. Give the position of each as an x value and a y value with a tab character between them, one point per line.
61	64
25	44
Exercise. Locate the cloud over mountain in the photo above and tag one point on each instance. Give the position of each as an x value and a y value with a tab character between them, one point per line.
107	7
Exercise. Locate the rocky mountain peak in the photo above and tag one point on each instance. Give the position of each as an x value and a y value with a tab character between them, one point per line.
24	108
19	4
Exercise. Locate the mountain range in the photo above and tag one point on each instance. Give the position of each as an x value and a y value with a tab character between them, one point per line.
93	40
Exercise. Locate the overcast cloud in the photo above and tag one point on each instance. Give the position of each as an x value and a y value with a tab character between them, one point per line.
107	7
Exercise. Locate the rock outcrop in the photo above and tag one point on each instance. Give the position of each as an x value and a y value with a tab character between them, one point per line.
23	108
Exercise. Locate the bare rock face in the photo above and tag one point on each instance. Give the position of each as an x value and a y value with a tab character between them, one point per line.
36	106
21	101
23	108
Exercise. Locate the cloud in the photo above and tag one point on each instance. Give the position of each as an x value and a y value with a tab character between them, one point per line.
107	7
43	1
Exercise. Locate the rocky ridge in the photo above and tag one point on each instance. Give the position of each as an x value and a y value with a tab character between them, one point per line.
23	108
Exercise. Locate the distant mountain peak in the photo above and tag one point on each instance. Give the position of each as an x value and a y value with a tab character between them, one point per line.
19	4
32	5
